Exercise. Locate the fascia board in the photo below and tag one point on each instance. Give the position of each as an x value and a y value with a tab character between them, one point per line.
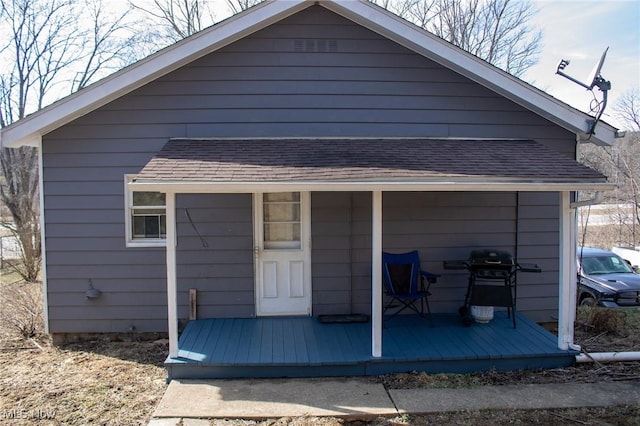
29	131
420	41
440	186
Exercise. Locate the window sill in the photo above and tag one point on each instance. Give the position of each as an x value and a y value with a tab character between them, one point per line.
146	243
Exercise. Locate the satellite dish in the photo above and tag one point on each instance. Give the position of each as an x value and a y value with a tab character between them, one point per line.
594	79
595	76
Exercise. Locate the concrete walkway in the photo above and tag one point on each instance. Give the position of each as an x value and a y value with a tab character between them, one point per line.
362	399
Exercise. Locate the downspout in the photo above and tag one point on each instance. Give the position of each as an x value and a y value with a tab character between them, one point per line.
600	356
597	199
573	273
567	274
568	267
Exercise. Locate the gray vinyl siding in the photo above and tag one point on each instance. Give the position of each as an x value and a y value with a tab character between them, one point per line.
215	254
279	82
341	252
538	225
441	226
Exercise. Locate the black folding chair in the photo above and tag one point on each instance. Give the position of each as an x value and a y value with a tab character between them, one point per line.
406	283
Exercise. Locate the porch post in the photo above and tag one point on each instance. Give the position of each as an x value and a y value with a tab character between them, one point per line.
172	285
568	273
376	275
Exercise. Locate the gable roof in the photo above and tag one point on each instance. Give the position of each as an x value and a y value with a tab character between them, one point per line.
195	165
30	130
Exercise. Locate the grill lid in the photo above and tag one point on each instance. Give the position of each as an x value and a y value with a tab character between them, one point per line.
488	258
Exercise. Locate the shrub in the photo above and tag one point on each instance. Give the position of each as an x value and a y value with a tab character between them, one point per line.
603	320
21	308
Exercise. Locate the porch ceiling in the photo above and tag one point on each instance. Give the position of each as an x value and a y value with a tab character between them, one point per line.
246	165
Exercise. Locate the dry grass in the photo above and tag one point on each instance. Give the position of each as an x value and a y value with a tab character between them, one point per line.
120	382
99	382
109	383
8	276
604	330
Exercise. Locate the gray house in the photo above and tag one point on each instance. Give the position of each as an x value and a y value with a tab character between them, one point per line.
252	174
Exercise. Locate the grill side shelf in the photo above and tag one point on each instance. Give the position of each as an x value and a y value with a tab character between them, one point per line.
528	267
455	264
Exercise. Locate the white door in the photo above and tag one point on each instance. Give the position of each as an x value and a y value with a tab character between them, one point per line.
283	253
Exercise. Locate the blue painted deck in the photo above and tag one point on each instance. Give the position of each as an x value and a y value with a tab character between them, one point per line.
304	347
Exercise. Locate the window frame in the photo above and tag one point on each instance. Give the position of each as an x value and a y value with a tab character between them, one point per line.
128	219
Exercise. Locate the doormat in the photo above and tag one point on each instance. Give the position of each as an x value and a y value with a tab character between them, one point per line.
346	318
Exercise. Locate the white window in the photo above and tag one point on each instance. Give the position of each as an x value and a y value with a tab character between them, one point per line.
146	217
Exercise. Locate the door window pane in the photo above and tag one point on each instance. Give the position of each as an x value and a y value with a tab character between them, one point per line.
281	219
282	212
274	232
282	196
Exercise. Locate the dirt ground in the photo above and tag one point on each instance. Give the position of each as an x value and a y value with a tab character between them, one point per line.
120	382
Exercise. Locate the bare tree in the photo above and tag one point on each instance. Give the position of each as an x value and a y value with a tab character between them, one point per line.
628	109
44	45
41	45
108	42
19	193
497	31
238	6
621	163
627	157
420	12
177	19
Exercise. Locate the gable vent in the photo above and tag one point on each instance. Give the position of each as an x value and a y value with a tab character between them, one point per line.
315	45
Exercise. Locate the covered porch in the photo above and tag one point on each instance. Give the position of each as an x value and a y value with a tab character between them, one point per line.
242	347
305	347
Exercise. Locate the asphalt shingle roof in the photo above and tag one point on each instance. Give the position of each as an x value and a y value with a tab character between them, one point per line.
358	160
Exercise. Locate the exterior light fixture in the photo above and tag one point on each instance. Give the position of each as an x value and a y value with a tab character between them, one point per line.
92	293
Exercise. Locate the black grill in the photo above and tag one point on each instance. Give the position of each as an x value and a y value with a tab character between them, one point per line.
485	266
491	264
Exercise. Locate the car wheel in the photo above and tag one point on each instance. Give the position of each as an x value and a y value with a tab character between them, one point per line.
588	301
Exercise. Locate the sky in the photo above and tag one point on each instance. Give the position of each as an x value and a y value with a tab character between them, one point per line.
580	31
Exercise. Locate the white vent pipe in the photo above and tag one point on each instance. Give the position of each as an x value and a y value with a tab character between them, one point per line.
608	357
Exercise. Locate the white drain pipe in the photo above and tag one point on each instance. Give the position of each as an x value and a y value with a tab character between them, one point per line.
608	357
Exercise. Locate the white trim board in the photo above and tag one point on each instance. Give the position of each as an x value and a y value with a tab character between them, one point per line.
452	186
